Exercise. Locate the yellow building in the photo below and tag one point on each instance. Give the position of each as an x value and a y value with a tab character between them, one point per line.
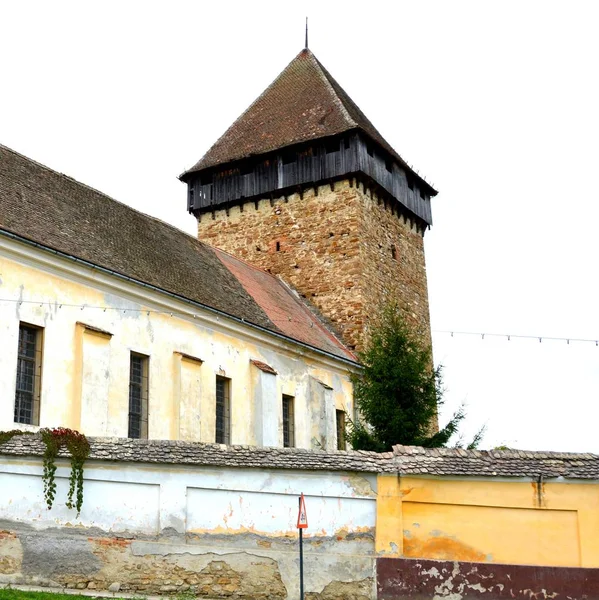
478	524
511	507
117	324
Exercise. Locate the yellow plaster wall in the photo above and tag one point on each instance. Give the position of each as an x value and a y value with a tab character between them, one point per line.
83	370
516	522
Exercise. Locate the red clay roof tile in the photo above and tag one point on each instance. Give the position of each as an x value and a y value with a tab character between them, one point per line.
284	307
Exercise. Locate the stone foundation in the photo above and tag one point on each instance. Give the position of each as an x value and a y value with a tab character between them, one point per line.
233	566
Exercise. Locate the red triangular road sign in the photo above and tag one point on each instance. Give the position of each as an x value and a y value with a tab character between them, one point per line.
302	517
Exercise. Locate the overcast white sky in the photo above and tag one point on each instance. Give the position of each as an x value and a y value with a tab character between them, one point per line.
496	103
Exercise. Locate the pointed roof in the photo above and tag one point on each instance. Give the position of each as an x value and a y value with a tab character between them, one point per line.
303	103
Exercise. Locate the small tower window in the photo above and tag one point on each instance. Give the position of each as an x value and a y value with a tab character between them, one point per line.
307	152
393	252
288	157
331	146
246	168
389	165
422	193
410	183
278	246
369	150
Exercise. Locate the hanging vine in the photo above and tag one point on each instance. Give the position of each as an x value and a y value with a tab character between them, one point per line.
55	439
78	446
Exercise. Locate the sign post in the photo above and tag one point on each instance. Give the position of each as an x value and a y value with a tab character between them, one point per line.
302	523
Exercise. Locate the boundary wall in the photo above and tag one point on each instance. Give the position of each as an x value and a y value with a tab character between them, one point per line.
215	521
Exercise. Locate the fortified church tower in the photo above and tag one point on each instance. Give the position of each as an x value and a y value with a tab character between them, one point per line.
304	186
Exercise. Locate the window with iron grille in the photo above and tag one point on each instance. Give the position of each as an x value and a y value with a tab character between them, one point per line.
340	414
138	396
288	422
29	375
223	410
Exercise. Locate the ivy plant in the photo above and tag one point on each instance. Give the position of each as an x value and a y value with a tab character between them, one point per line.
6	436
54	439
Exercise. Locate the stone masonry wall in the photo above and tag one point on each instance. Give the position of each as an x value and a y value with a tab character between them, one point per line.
393	262
311	242
334	247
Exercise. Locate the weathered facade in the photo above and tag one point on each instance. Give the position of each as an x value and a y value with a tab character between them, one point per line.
215	521
116	324
304	186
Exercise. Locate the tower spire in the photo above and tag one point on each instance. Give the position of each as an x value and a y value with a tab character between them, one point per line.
306	33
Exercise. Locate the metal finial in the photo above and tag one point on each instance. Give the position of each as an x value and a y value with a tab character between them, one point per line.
306	33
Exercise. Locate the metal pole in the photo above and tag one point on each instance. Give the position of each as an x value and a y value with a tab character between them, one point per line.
301	545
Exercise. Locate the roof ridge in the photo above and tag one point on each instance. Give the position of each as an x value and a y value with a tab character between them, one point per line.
350	105
327	77
247	110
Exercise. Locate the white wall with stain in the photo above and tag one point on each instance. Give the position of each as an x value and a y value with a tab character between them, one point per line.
170	529
148	499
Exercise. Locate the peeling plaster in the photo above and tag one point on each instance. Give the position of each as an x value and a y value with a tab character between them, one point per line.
360	485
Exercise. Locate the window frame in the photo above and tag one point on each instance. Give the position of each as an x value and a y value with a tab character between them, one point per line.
288	406
340	424
139	418
35	359
222	431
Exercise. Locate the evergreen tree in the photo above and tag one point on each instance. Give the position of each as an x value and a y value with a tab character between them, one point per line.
398	392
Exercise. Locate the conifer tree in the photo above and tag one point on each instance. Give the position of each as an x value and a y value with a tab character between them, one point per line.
398	392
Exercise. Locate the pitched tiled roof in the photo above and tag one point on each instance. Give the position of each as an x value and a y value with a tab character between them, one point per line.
413	460
218	455
303	103
404	460
62	214
283	307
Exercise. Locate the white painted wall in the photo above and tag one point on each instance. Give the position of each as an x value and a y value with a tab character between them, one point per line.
268	414
85	376
147	499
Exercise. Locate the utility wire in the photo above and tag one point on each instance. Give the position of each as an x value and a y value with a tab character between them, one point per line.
510	336
507	336
57	305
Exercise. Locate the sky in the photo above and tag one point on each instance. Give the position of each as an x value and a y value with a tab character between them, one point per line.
494	102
